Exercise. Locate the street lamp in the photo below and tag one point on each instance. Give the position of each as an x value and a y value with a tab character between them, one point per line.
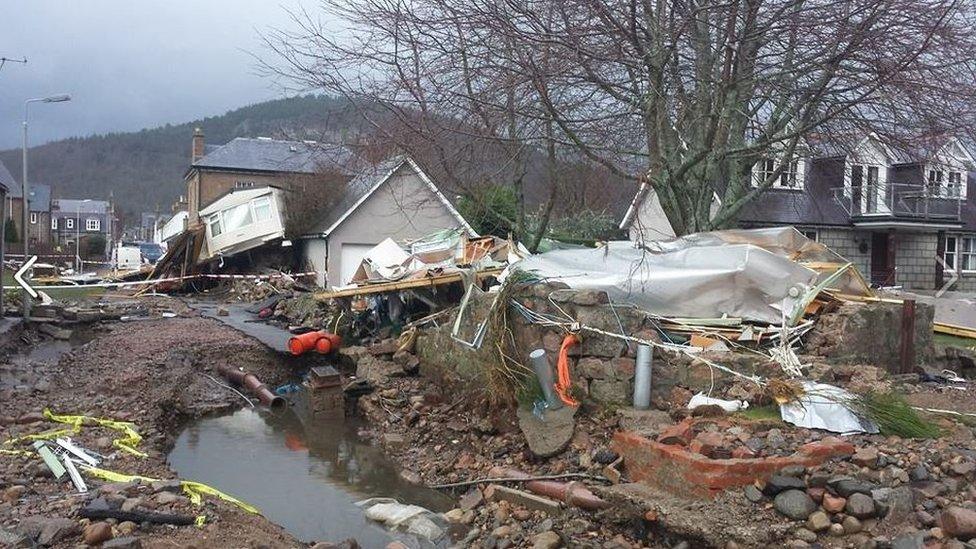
79	266
60	98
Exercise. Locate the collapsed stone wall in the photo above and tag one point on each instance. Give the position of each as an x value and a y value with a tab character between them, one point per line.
602	367
871	333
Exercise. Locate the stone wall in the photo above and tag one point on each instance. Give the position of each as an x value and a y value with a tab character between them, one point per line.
870	333
848	243
915	260
602	367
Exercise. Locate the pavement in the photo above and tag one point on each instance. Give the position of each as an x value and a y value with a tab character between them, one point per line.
951	307
247	323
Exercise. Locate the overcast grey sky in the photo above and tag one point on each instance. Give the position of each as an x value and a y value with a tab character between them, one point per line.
130	64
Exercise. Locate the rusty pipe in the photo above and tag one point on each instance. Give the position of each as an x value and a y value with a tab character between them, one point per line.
253	384
573	493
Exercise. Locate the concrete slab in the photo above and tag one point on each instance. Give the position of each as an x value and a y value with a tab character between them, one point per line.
245	322
951	307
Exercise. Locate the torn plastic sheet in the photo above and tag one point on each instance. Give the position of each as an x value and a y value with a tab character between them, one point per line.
825	407
698	281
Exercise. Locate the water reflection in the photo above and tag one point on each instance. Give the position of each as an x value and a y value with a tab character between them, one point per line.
303	477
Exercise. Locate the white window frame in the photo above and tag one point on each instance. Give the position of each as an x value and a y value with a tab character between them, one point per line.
54	223
939	178
33	218
792	178
881	186
240	184
960	253
69	223
93	224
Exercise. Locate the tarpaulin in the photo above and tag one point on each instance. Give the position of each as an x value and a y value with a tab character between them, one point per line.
825	407
694	280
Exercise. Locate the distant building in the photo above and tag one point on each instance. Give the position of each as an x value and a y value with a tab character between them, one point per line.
246	163
72	219
39	216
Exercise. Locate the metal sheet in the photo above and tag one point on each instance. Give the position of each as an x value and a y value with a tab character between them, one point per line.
700	276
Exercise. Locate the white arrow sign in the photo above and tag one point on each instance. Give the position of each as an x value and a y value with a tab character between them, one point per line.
19	276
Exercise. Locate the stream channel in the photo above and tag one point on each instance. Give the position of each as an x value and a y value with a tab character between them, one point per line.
305	477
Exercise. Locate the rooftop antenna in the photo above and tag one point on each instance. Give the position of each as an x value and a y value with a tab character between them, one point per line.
4	60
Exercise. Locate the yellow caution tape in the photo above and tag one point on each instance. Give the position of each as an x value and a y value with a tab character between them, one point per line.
16	453
126	443
193	490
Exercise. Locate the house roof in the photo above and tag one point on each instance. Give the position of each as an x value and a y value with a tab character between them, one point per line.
271	155
40	196
361	187
72	205
6	179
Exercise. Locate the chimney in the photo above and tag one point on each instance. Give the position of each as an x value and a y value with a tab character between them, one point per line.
197	145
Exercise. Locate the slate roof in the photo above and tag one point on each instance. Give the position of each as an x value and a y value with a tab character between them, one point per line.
815	205
6	179
40	196
71	205
270	155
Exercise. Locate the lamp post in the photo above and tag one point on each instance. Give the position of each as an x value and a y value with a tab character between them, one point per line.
79	266
25	229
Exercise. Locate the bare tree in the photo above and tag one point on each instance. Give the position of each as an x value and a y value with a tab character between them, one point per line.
686	95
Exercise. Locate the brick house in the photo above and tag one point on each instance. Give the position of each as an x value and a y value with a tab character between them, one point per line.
894	213
246	163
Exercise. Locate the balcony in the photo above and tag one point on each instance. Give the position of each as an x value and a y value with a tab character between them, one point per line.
873	204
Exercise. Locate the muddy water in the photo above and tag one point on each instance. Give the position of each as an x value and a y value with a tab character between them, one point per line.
305	478
18	371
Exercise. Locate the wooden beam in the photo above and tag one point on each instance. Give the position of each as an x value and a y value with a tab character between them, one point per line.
954	329
400	285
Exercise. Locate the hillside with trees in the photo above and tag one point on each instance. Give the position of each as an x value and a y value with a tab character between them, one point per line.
145	169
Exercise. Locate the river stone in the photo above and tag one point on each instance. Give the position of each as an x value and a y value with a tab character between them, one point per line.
550	435
959	522
97	532
846	487
546	540
795	504
779	483
914	540
818	522
860	506
128	542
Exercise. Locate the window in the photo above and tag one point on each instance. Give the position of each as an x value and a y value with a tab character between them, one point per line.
236	217
69	223
944	183
243	184
214	222
790	178
54	223
262	208
33	218
811	234
960	253
92	224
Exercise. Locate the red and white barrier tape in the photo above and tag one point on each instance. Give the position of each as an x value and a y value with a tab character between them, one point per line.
162	280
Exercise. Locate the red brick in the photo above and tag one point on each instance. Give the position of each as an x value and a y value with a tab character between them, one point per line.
680	433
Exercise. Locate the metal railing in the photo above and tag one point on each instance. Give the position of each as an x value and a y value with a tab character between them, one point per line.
900	200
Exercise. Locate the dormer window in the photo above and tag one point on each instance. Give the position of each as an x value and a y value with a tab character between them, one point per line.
945	183
790	178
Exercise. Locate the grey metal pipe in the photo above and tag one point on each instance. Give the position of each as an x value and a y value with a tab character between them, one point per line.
642	377
543	371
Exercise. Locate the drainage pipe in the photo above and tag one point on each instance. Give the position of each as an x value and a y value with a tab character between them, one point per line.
573	493
642	377
253	384
543	371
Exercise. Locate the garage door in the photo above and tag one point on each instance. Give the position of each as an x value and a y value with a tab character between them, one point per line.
350	257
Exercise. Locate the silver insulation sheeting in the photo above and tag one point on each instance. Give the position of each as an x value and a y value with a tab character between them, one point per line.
749	274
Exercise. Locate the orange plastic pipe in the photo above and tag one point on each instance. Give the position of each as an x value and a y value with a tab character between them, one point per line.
299	344
563	381
329	343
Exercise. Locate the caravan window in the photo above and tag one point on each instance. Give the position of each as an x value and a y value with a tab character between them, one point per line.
236	217
262	208
214	222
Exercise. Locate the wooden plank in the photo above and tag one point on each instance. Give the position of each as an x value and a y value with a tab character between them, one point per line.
954	329
400	285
